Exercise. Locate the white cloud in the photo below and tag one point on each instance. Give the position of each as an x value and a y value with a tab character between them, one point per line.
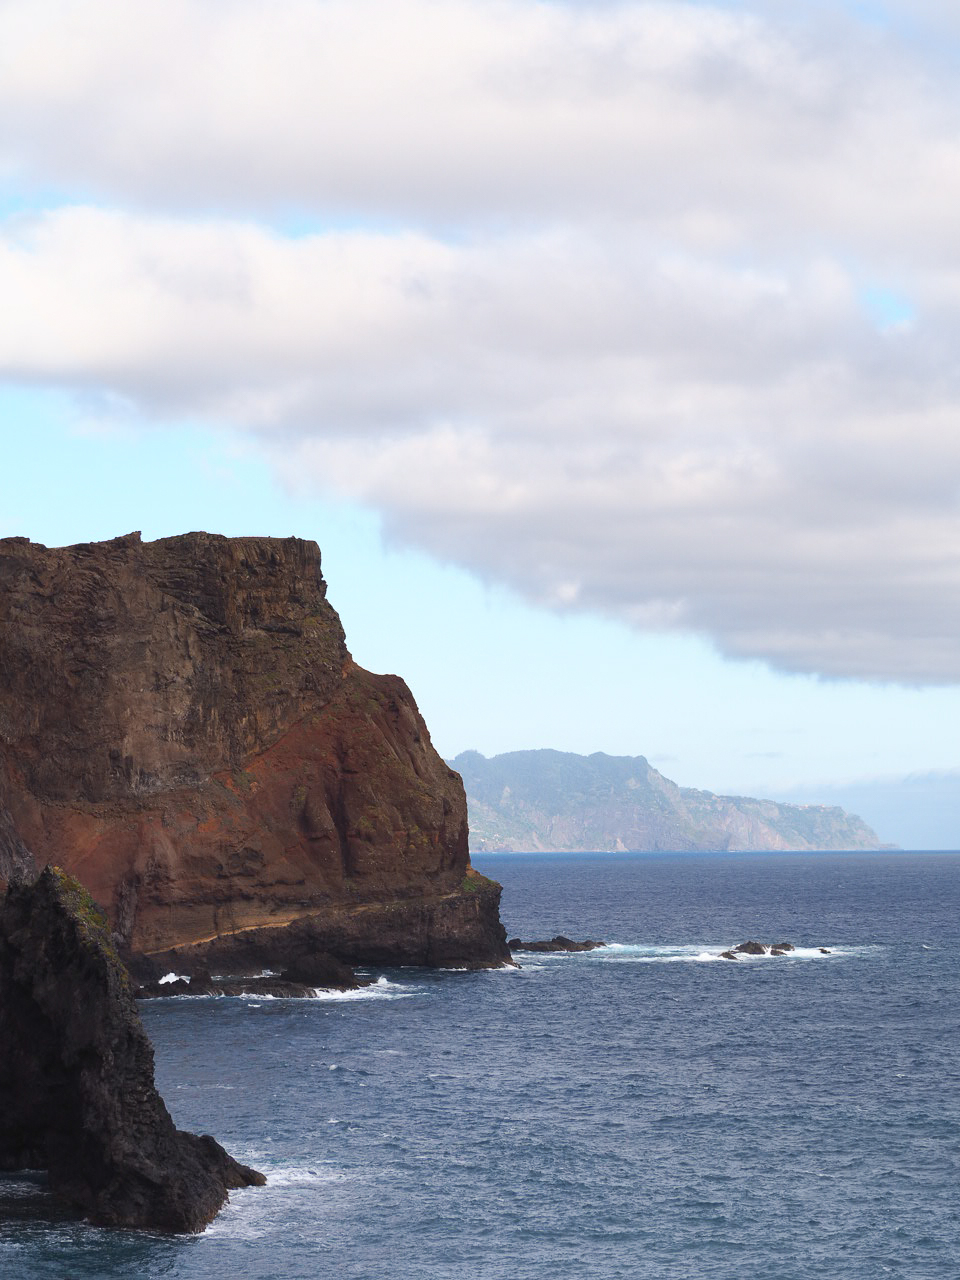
613	341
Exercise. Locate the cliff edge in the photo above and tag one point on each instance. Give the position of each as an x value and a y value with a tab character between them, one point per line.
183	729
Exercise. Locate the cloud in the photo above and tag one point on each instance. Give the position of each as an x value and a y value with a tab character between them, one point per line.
600	300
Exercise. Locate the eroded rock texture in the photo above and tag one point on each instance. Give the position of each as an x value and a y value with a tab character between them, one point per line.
183	729
77	1096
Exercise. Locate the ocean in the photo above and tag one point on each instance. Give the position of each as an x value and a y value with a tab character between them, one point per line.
643	1110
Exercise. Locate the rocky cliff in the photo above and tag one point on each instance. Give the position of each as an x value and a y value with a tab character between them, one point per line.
77	1096
536	800
183	729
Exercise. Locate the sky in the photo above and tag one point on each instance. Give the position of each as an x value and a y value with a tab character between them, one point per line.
608	351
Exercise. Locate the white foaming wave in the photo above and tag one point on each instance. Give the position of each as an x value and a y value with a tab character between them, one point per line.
648	953
693	953
622	952
173	977
382	989
293	1176
250	1212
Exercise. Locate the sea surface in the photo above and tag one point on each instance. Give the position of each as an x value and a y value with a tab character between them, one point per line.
644	1110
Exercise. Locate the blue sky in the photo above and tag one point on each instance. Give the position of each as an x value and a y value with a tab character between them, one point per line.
606	350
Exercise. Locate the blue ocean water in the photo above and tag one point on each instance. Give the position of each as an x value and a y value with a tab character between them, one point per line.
646	1110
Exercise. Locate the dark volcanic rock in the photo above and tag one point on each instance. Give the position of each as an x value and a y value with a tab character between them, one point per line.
320	969
460	929
759	949
308	973
77	1096
277	988
558	943
183	728
16	861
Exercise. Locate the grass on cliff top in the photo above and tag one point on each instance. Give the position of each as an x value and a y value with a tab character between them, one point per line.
474	882
92	923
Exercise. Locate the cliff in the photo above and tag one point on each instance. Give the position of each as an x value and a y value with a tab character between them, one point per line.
183	729
77	1096
539	800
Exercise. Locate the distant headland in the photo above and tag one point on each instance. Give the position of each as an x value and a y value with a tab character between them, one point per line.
556	800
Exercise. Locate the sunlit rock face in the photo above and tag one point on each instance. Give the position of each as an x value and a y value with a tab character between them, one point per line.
182	727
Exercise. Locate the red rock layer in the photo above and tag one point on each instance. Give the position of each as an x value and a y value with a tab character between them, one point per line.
183	729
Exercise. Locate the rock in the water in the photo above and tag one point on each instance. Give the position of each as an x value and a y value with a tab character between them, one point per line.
319	969
77	1095
308	973
183	728
751	948
558	943
728	955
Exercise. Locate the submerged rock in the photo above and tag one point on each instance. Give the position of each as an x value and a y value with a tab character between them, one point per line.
77	1095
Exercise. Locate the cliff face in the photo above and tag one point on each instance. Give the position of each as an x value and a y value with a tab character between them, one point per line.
77	1096
183	729
535	800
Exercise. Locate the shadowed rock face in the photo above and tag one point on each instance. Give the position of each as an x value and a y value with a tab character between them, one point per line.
77	1096
183	729
16	861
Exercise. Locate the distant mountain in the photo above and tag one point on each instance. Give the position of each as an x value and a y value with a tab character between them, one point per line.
554	800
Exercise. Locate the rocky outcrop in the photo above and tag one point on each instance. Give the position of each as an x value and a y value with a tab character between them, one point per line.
182	727
752	948
308	973
556	800
77	1096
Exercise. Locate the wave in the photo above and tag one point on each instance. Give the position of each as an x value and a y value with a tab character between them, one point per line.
688	953
382	989
251	1212
299	1176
